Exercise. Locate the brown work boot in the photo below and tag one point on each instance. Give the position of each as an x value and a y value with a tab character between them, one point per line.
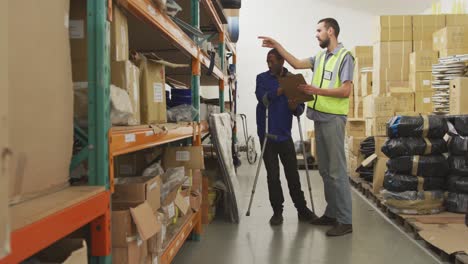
324	221
340	230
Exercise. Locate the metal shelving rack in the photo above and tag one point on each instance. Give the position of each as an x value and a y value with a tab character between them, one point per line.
52	217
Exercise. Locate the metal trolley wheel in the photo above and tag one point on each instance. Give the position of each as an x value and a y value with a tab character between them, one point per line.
251	150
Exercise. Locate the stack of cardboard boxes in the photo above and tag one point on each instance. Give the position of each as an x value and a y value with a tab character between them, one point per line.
420	79
363	59
453	38
146	209
355	130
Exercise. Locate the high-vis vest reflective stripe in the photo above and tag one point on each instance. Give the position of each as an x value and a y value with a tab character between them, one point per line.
326	76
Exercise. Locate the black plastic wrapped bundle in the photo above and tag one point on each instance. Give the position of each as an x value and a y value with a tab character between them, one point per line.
367	146
402	183
461	124
396	147
366	174
457	202
457	184
419	126
424	166
458	145
458	165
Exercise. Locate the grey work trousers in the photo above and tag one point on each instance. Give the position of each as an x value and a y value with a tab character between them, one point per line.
330	140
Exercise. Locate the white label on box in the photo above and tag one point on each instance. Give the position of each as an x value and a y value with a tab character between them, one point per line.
126	169
123	35
158	93
182	155
153	185
149	133
151	10
67	21
130	138
427	100
139	242
76	29
426	82
171	210
80	85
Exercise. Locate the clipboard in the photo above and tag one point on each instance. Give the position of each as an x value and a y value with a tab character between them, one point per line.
289	85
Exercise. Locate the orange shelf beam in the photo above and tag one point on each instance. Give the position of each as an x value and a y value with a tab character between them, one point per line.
32	238
147	11
211	10
193	223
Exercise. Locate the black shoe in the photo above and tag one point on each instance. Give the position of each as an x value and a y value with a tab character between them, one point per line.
276	219
340	230
306	215
324	221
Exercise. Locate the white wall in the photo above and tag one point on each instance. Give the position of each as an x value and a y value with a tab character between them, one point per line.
293	24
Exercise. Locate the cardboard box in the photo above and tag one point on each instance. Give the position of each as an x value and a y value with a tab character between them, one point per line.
78	33
456	20
425	25
366	84
126	75
403	101
155	244
376	106
352	166
423	102
379	174
394	28
450	38
358	112
458	95
364	54
356	91
452	52
188	157
123	228
354	144
4	134
421	61
393	56
356	127
422	45
130	165
40	98
421	81
119	35
152	92
133	191
406	114
377	127
384	87
66	251
379	142
135	252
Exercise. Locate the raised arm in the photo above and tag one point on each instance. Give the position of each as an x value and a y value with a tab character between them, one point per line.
293	61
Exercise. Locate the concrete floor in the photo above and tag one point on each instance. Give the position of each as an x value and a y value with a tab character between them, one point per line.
374	240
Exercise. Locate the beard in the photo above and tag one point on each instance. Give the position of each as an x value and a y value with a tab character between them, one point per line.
324	43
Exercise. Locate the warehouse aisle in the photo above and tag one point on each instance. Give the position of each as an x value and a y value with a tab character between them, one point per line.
254	241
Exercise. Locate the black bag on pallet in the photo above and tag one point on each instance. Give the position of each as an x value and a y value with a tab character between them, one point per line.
456	202
402	183
417	126
458	145
461	124
366	173
396	147
457	184
367	146
426	166
458	165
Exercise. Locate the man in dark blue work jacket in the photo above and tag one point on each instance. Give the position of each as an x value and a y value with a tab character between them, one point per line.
281	113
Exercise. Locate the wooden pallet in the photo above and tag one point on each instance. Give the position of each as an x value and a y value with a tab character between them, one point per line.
411	224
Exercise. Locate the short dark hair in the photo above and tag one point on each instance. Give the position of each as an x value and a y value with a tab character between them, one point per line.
276	53
331	22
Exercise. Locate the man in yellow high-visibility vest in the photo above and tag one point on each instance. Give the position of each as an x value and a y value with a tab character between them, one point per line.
332	84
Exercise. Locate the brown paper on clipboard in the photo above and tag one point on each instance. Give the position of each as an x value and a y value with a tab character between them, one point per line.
289	85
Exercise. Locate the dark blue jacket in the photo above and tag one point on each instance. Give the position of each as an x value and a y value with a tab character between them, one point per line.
280	117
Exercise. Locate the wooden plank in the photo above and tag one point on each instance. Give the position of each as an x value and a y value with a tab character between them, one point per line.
26	213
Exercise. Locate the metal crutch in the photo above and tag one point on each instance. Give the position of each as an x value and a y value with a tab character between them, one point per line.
260	160
305	162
